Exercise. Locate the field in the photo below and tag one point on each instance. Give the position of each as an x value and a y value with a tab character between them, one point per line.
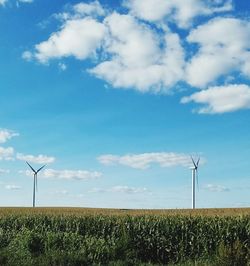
85	236
5	211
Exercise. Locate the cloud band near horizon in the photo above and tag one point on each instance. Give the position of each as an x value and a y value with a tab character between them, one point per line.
146	160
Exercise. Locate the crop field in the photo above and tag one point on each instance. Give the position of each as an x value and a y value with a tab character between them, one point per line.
5	211
85	236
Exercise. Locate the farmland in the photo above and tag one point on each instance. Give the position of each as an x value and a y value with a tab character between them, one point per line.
121	212
79	236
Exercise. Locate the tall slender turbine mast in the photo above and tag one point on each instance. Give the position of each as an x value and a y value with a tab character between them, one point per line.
35	181
194	176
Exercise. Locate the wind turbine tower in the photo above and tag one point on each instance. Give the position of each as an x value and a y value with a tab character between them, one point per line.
35	182
194	176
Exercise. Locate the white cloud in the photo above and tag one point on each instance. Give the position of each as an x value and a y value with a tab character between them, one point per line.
145	55
128	190
2	2
79	38
216	188
93	9
71	174
178	11
223	48
13	187
26	172
27	55
135	43
97	190
221	99
25	1
6	134
6	153
121	189
4	171
41	159
139	58
61	192
78	11
145	160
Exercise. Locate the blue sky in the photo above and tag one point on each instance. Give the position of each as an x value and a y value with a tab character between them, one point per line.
114	97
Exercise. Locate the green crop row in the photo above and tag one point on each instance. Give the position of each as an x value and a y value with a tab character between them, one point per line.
123	240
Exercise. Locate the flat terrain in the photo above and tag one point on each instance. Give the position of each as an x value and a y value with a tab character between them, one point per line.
86	236
121	212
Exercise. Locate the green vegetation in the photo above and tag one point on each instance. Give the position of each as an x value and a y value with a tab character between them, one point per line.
120	237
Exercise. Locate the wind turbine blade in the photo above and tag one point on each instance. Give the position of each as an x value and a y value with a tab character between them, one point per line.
40	169
193	161
198	162
31	167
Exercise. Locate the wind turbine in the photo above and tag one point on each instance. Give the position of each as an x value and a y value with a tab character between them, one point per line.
35	181
194	176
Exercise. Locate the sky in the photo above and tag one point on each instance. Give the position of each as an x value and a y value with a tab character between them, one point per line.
115	96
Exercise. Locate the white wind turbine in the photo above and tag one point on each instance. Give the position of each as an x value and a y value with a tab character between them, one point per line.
194	169
35	181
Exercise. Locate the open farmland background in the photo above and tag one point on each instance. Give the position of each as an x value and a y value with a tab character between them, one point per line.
74	236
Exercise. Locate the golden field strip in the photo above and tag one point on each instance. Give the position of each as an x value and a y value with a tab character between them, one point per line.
122	212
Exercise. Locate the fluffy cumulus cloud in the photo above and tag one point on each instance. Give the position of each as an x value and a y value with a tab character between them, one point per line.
41	159
223	48
221	99
139	58
78	37
215	188
145	160
93	9
71	174
178	11
6	154
6	134
143	48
